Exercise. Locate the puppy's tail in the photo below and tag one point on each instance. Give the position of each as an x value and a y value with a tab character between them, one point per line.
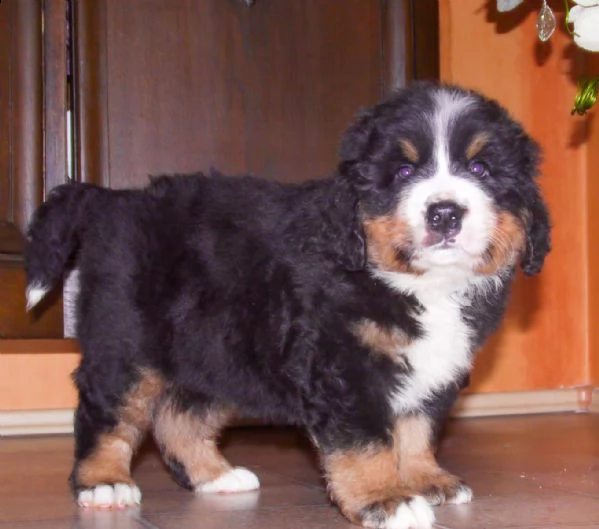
53	237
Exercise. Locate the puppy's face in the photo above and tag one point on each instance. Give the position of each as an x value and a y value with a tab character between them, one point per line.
446	179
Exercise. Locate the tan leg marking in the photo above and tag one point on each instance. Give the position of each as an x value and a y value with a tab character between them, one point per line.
191	440
418	467
111	460
358	479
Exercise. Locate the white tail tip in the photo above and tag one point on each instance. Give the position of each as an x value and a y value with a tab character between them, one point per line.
34	295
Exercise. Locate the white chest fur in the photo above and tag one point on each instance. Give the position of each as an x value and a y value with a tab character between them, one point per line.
444	350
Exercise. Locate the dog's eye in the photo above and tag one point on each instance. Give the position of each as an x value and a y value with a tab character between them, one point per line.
406	171
478	168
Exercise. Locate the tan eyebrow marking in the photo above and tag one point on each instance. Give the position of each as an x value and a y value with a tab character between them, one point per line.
409	150
477	144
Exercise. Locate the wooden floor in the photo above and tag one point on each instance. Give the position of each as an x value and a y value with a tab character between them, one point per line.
526	472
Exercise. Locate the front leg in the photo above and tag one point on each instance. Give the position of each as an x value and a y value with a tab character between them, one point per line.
390	482
366	485
418	468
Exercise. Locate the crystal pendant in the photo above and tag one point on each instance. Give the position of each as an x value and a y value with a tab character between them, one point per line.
546	23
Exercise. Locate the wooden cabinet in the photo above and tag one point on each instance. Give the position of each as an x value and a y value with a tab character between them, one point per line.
161	86
23	130
166	86
171	86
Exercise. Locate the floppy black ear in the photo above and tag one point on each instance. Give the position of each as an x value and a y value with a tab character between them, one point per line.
538	240
357	137
355	146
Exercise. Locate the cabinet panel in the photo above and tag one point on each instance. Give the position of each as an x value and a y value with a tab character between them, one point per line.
169	86
22	168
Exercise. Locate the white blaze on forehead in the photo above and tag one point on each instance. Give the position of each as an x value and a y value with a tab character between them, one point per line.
450	105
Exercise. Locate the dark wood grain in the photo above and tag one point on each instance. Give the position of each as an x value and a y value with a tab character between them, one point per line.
5	115
55	93
175	86
45	321
27	133
21	121
91	147
424	39
396	44
21	163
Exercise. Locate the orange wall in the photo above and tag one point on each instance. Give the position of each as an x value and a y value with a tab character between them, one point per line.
37	381
543	342
36	374
592	207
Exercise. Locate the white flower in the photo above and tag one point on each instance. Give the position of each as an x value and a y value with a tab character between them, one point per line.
586	3
585	18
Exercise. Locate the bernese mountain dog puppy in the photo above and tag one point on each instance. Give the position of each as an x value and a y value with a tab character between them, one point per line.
352	306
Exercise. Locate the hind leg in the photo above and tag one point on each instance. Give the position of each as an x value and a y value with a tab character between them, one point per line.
187	436
110	423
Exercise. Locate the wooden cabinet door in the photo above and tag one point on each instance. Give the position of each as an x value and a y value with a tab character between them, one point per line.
23	162
164	86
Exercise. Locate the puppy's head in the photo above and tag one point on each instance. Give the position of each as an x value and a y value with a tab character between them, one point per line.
446	179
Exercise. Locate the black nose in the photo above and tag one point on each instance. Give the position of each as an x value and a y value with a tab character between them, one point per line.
445	218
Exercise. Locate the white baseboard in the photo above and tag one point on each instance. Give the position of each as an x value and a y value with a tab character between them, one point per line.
594	401
523	402
36	422
479	405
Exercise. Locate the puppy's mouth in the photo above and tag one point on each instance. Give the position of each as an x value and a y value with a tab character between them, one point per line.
437	241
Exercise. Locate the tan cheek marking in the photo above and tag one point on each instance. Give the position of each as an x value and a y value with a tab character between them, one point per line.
507	242
386	236
110	462
360	478
381	340
190	439
409	150
477	144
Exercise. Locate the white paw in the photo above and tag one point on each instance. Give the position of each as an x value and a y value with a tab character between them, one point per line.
463	495
110	496
413	514
238	479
